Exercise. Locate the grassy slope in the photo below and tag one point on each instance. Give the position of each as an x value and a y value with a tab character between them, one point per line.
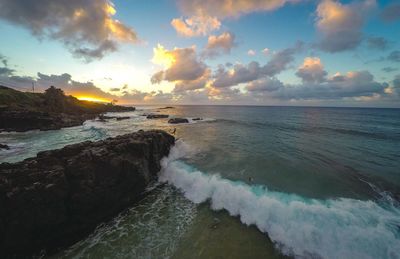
11	99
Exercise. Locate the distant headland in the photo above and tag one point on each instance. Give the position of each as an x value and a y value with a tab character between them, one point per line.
23	111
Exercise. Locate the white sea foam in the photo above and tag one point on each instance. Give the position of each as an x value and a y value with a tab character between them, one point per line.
302	227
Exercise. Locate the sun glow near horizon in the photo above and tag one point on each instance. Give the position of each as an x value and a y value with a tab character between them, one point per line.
92	99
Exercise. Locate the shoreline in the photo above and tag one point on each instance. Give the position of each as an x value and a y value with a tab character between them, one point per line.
51	110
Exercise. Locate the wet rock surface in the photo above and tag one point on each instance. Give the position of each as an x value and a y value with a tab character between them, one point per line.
60	196
157	116
178	120
4	146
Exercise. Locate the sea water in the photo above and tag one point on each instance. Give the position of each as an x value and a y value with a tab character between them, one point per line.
252	182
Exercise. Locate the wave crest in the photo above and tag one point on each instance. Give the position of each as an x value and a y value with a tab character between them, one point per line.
302	227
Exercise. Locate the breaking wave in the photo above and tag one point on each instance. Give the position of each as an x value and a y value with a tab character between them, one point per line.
298	226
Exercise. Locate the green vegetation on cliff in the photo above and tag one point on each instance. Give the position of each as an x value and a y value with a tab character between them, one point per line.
22	111
52	100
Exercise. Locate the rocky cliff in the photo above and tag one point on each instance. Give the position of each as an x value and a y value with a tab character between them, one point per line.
60	196
22	111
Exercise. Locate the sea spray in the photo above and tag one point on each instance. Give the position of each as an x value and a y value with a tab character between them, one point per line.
299	226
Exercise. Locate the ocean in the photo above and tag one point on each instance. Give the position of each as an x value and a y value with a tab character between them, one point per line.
252	182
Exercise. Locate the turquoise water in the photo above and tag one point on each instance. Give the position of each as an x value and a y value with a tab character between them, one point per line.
253	182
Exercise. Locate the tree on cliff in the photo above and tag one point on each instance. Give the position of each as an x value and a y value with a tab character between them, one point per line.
54	99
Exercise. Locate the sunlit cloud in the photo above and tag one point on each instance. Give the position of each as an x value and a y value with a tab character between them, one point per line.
229	8
251	52
86	28
312	71
340	25
162	57
204	16
200	25
219	44
181	66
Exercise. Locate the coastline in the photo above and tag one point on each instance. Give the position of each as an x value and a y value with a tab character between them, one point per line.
58	197
51	110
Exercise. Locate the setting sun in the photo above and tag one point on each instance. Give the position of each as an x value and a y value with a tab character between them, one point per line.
92	99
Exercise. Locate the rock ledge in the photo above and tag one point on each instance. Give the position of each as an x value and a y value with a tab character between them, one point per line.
60	196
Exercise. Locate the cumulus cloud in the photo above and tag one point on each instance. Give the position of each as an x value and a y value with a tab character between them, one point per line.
204	15
200	25
266	51
86	27
199	83
251	52
4	69
281	59
352	85
76	88
240	73
340	25
391	13
312	71
378	43
218	44
63	81
229	8
182	66
394	56
4	60
267	84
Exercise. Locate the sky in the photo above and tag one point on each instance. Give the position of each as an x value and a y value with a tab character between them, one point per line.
226	52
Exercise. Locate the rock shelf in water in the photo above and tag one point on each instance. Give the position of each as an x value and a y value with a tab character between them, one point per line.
58	197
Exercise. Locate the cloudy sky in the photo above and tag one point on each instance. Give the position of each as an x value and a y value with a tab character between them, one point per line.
250	52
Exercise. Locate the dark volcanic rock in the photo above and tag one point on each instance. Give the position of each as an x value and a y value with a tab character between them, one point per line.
3	146
167	107
198	119
60	196
157	116
178	120
123	118
104	118
30	120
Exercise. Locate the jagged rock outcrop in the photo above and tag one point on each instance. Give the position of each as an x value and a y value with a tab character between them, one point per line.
29	120
178	120
60	196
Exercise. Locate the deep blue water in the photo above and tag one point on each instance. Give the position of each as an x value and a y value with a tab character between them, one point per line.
300	181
